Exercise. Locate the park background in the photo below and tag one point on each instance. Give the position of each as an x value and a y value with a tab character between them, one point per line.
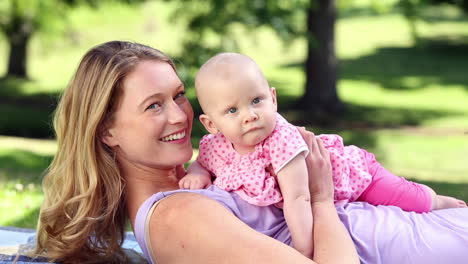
402	77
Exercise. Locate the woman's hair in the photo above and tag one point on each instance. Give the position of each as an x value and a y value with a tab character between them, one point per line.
83	216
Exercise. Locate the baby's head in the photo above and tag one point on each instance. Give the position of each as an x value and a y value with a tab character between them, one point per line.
236	100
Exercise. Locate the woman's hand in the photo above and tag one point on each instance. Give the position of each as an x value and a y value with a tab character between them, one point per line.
319	167
332	243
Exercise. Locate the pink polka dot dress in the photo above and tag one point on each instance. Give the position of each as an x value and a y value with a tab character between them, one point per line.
351	174
253	176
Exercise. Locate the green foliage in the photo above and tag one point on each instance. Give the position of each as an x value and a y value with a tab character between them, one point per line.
214	25
48	16
21	19
31	15
34	15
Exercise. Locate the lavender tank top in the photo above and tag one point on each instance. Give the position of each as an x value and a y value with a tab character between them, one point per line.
382	234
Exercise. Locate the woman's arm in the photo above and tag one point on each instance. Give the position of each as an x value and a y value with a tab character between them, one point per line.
191	228
332	243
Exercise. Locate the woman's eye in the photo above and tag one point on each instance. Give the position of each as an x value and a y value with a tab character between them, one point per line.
179	95
153	106
232	110
256	100
180	98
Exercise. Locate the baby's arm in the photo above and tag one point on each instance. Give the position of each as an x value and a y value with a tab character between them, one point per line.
197	177
294	184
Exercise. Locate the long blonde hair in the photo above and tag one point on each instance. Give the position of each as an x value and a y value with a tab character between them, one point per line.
83	215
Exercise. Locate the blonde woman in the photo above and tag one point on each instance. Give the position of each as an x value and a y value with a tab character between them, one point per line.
123	130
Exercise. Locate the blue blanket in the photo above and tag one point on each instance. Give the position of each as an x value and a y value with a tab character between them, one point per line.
19	240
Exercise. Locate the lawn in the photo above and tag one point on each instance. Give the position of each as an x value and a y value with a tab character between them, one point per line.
22	162
406	100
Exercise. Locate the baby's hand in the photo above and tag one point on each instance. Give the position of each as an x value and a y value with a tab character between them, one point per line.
194	181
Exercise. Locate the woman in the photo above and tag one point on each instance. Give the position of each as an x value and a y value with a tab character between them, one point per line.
123	130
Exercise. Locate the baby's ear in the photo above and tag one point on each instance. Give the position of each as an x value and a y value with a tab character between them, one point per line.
273	95
208	124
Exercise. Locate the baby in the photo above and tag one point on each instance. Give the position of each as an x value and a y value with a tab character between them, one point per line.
254	152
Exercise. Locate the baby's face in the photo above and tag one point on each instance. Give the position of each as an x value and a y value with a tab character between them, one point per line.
243	108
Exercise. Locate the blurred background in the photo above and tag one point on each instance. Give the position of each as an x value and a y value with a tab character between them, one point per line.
389	76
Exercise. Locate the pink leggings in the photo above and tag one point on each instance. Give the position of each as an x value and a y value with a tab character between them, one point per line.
389	189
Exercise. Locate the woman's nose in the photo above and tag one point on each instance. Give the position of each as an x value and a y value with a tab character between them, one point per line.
176	113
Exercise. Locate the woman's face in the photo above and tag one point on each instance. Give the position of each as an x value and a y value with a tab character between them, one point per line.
153	121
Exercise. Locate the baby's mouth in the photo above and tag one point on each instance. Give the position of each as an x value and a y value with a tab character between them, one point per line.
252	129
174	136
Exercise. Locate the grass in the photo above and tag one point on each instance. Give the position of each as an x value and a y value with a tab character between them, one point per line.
22	162
406	99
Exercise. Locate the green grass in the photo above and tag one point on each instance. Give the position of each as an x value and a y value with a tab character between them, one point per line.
22	163
406	99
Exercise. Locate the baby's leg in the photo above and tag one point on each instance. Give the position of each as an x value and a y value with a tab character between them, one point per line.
397	191
389	189
444	202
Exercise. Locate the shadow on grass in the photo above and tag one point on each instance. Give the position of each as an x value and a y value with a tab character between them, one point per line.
433	14
24	120
366	117
441	62
18	91
24	114
23	166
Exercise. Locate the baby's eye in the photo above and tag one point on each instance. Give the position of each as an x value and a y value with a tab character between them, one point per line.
153	106
256	100
232	110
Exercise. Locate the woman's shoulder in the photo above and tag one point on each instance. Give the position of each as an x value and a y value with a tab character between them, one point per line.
170	199
164	211
194	228
188	197
183	204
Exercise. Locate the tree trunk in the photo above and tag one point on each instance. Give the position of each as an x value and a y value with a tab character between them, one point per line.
320	95
17	62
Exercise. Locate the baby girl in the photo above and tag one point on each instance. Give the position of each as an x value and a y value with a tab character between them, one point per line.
254	152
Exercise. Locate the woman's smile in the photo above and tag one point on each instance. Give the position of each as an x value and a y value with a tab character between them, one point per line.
177	137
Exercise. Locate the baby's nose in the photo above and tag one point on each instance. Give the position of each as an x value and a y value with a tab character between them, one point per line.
251	116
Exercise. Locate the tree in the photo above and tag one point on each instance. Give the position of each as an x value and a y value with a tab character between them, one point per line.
20	19
220	18
321	64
